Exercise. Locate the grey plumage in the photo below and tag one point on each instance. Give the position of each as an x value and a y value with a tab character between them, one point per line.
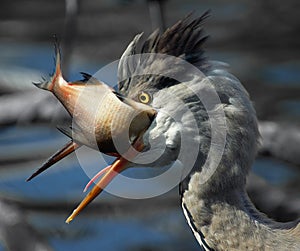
219	211
184	40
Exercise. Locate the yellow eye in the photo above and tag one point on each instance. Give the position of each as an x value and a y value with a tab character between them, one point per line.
144	98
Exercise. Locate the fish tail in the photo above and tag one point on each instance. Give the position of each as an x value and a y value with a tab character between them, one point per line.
54	78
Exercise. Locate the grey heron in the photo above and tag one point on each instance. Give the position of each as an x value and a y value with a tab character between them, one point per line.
212	191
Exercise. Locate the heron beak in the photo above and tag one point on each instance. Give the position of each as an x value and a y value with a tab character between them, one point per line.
119	165
137	129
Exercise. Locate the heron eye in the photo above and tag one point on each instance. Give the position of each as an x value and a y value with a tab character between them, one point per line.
144	98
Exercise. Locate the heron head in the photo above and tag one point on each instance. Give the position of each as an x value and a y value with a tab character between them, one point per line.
203	118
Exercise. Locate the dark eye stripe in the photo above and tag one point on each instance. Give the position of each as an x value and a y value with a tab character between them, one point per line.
119	96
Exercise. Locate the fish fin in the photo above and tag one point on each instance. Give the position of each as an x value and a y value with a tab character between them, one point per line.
67	130
89	79
75	133
42	85
65	151
86	76
48	84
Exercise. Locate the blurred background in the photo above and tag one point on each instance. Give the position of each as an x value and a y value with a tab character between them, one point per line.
259	39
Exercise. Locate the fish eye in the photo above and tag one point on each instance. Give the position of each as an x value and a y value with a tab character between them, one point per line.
144	97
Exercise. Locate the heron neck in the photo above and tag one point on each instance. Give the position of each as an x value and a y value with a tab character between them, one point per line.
229	221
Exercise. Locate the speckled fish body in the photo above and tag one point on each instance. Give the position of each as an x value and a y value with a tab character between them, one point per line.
100	117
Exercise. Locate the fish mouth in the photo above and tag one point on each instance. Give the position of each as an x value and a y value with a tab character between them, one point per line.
109	173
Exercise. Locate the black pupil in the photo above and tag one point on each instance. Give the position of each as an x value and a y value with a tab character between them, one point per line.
143	97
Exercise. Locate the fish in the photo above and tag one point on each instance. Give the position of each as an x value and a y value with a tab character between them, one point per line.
102	119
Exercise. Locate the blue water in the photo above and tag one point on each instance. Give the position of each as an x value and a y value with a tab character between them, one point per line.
158	232
40	57
290	107
274	172
285	74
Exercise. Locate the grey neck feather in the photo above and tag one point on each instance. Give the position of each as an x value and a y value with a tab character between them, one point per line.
229	221
219	211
